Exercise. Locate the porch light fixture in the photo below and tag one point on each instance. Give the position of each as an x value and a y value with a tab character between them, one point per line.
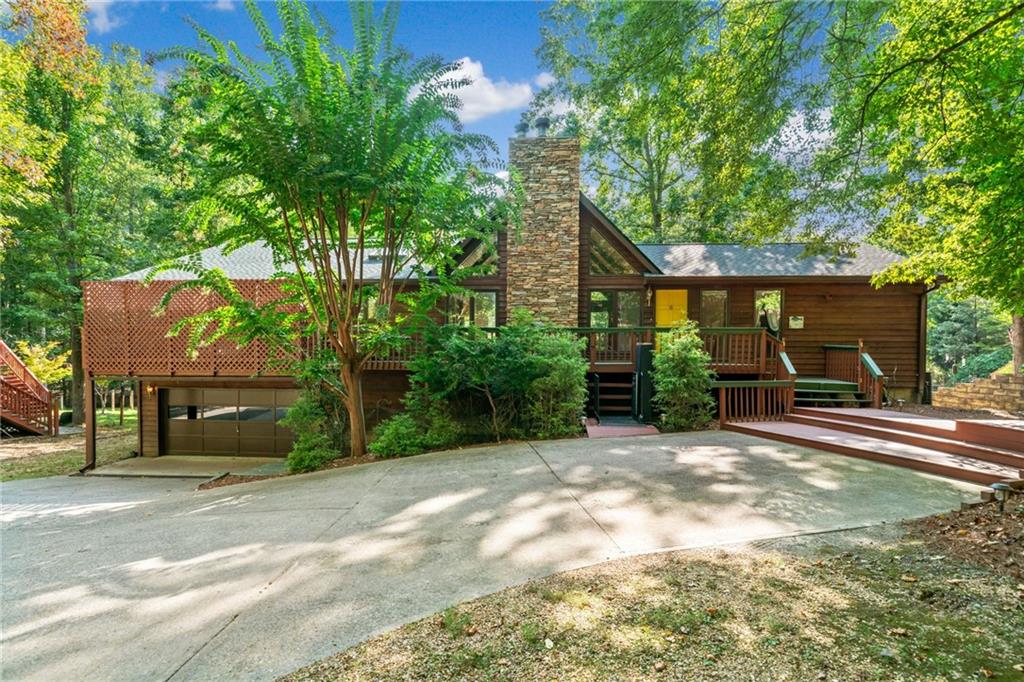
1002	493
150	389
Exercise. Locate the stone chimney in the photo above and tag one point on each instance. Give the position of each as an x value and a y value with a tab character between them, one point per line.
543	259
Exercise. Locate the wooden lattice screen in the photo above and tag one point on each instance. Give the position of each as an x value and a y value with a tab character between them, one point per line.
123	337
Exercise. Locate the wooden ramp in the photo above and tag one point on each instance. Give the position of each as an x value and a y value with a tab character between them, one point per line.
957	449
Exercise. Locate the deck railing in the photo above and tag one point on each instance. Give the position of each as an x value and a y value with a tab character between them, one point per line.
733	350
24	399
754	401
852	363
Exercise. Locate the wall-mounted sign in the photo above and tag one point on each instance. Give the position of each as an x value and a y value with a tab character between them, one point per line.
796	321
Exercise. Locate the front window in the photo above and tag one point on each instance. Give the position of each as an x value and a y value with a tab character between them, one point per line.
611	308
478	308
768	308
714	308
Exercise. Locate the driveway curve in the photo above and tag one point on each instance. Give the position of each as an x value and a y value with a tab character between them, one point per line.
148	579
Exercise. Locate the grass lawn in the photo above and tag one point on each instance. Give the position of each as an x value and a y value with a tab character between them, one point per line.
35	456
111	418
881	604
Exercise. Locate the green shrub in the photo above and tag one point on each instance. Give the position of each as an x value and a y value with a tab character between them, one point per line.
682	380
524	380
982	365
403	434
318	419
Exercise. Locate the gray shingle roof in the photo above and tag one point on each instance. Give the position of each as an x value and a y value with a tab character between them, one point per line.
252	261
769	260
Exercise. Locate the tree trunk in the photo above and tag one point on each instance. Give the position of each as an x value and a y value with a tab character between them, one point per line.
1017	342
352	379
77	378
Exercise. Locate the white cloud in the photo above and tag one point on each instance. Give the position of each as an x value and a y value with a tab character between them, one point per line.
502	175
485	97
222	5
101	18
544	79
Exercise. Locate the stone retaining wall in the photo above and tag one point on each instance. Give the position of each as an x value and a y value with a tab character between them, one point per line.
998	392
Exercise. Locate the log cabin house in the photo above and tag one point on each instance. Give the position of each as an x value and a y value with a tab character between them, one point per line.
832	337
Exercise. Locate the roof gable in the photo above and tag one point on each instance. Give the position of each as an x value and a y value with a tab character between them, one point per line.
617	238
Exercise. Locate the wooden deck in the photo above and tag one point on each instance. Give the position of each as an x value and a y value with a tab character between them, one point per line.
957	449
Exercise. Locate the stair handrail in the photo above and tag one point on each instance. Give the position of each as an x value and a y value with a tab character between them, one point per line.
10	359
873	382
785	368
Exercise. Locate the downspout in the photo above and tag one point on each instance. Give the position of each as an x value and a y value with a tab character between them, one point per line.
922	344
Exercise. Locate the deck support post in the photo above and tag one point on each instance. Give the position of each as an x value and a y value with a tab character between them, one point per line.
90	424
721	406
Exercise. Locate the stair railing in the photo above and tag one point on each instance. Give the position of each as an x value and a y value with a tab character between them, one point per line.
871	380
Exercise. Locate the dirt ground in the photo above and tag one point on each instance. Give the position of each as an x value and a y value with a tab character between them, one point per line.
951	413
34	456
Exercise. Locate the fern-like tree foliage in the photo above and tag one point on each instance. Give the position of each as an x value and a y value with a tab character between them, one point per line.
350	164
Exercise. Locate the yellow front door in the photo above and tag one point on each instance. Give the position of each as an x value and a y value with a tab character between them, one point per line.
669	307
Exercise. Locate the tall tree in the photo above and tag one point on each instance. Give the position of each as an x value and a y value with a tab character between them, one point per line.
351	166
99	194
677	105
928	141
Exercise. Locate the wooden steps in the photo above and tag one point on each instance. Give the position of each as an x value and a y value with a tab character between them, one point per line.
931	442
905	455
812	391
616	393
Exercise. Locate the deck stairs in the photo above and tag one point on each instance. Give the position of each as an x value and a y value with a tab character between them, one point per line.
822	392
25	402
615	393
970	450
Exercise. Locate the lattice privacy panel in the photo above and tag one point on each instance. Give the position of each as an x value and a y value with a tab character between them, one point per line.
123	336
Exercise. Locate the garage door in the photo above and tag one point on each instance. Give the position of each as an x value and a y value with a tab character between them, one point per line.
226	421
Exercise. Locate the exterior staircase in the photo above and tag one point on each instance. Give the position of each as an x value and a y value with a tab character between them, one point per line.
26	405
822	392
614	394
983	452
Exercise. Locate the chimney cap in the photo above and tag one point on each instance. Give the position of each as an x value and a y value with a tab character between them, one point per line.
522	128
542	124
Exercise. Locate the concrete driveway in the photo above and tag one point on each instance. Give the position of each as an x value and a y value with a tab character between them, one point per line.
147	579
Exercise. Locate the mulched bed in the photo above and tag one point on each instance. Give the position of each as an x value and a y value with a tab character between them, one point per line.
980	535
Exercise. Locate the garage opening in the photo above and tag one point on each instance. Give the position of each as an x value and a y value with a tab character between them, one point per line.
244	422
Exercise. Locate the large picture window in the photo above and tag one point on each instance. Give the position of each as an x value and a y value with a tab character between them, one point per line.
714	308
615	308
479	308
605	259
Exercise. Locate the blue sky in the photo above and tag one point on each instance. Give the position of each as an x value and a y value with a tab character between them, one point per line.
499	38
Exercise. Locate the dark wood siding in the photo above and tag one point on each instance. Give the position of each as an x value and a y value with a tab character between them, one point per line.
887	319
